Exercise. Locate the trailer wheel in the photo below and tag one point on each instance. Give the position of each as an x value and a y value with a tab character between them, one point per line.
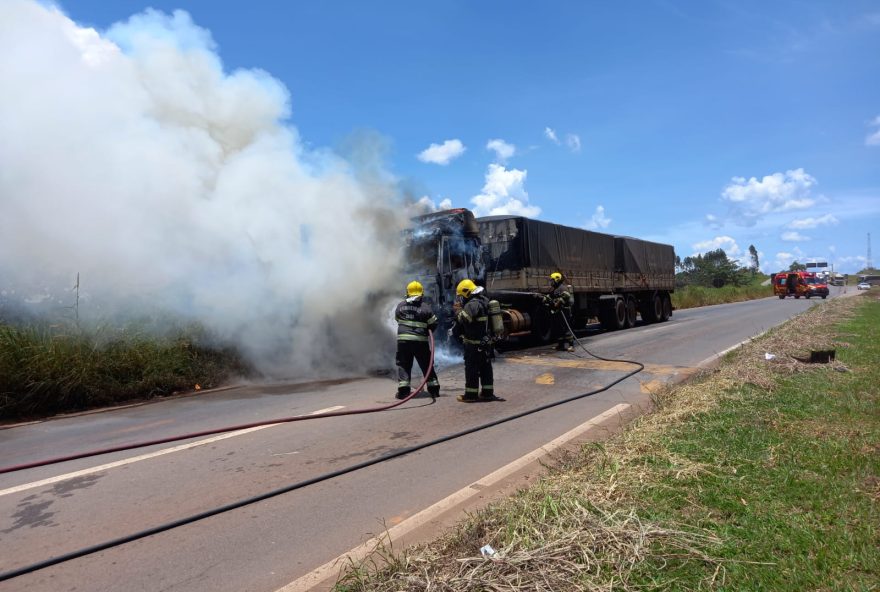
782	296
667	308
648	310
613	315
620	313
630	312
652	311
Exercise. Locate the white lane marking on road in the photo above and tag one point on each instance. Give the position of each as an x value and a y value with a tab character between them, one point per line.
714	357
134	459
331	568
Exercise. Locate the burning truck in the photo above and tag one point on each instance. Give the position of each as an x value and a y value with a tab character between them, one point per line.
613	279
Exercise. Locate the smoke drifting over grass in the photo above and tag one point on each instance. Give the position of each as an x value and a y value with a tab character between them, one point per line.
132	158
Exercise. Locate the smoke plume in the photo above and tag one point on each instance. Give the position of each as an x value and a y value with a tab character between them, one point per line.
131	157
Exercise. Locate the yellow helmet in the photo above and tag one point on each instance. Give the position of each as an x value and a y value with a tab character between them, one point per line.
465	287
414	289
556	276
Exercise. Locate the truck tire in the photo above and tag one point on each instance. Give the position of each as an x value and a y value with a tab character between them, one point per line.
652	309
631	311
647	312
614	315
782	296
620	313
667	308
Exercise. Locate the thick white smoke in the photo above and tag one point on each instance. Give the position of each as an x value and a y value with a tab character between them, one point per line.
131	158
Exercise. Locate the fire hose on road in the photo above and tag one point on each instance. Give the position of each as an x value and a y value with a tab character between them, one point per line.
293	487
235	428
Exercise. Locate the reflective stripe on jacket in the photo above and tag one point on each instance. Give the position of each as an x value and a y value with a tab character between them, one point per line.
414	318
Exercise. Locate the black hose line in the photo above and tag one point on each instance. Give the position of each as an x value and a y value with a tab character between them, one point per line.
276	492
60	459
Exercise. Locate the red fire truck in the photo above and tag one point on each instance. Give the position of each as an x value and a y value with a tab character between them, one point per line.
799	283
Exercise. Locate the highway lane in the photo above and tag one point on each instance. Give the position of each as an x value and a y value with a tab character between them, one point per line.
266	545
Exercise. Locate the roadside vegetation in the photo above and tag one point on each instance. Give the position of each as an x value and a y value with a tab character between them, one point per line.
691	296
53	368
714	278
758	475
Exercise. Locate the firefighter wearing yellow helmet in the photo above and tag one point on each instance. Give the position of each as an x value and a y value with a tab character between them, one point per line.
558	303
414	319
472	326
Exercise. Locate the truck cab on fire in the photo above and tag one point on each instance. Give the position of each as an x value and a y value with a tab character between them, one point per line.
612	278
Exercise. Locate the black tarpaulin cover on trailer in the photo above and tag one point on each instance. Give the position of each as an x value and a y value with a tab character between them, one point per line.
633	255
514	242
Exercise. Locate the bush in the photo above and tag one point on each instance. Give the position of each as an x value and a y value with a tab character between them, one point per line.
694	296
48	369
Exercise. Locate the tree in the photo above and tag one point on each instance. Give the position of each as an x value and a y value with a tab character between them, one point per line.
753	253
711	269
795	266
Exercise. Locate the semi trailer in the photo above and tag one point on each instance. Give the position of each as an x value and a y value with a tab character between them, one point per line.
614	279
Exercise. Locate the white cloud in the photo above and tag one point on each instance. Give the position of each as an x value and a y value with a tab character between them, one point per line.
504	193
807	223
502	149
427	205
550	133
719	242
873	138
713	221
751	199
794	236
598	220
573	141
442	154
784	260
860	259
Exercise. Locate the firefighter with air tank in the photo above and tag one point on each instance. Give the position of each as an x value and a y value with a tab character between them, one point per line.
414	319
558	303
475	324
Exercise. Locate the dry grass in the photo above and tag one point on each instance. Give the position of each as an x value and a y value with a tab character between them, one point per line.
554	540
582	527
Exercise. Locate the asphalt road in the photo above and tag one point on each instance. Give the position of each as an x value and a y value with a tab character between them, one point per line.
49	511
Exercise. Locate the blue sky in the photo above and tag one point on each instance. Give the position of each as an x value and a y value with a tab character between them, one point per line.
702	124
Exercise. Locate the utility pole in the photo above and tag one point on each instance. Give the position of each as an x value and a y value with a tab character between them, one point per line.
870	264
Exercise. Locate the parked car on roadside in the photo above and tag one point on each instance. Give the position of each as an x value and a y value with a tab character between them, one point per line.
864	286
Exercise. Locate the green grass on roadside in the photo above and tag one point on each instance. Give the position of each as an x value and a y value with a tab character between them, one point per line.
761	475
48	369
794	483
694	296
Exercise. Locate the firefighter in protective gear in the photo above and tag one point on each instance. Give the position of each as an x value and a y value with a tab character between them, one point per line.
414	319
558	303
472	326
